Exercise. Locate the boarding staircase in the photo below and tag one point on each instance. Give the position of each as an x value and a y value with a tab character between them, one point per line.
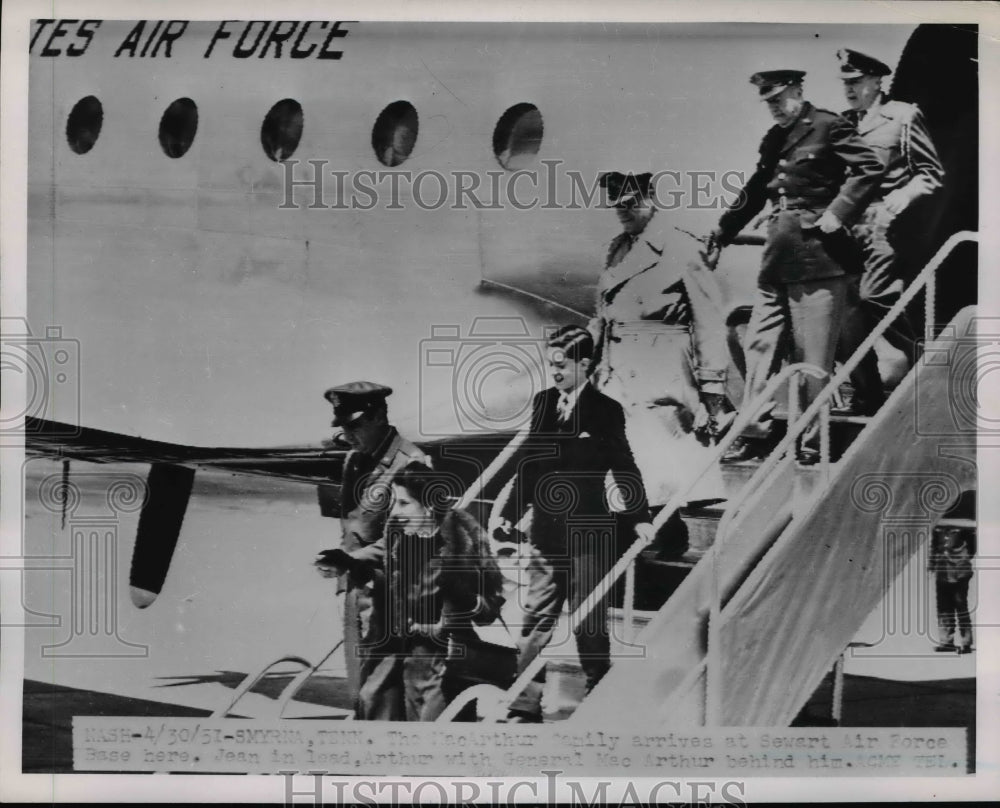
741	626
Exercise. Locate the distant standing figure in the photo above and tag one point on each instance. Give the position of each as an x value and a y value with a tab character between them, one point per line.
898	133
953	548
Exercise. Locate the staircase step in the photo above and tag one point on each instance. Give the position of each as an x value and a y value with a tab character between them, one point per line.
736	475
569	662
565	683
656	577
837	417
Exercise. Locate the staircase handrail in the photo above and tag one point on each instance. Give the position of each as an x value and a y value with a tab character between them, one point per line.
625	564
926	278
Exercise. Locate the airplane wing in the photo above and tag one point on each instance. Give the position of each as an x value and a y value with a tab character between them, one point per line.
312	464
171	478
173	466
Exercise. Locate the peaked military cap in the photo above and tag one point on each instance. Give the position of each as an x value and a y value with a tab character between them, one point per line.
354	399
624	187
771	82
854	64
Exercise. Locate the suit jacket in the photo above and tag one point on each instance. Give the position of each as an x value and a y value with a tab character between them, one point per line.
562	467
817	164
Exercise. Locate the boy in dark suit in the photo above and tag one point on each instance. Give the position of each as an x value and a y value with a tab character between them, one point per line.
577	437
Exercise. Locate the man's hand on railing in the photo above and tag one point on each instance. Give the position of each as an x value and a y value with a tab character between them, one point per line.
712	250
644	531
896	201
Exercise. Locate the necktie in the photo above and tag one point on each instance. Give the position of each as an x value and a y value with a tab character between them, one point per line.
563	408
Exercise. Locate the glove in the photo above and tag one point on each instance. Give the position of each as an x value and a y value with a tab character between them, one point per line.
334	562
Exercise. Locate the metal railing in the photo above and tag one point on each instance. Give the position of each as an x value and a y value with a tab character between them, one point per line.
821	404
288	692
493	703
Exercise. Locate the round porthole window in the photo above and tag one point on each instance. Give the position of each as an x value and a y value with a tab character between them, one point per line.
282	130
83	126
395	133
518	136
178	127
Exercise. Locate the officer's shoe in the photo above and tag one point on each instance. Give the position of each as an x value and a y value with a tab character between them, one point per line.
807	457
716	414
521	717
866	407
945	648
964	649
744	449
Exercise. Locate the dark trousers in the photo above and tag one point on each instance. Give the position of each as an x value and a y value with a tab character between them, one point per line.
556	577
954	619
869	299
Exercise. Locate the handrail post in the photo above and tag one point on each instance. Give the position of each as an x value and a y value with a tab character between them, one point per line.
930	308
713	670
824	440
794	397
629	610
819	407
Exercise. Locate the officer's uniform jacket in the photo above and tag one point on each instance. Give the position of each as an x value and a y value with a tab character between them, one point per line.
366	498
819	163
898	133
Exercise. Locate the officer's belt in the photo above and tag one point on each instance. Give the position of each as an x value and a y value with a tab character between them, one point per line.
801	202
629	328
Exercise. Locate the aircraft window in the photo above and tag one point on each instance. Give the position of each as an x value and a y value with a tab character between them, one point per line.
518	136
395	133
282	129
178	127
83	126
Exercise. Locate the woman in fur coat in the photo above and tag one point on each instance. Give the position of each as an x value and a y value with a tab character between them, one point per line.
442	579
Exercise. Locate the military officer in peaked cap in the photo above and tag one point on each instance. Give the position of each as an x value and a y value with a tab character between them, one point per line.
898	133
818	176
378	453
